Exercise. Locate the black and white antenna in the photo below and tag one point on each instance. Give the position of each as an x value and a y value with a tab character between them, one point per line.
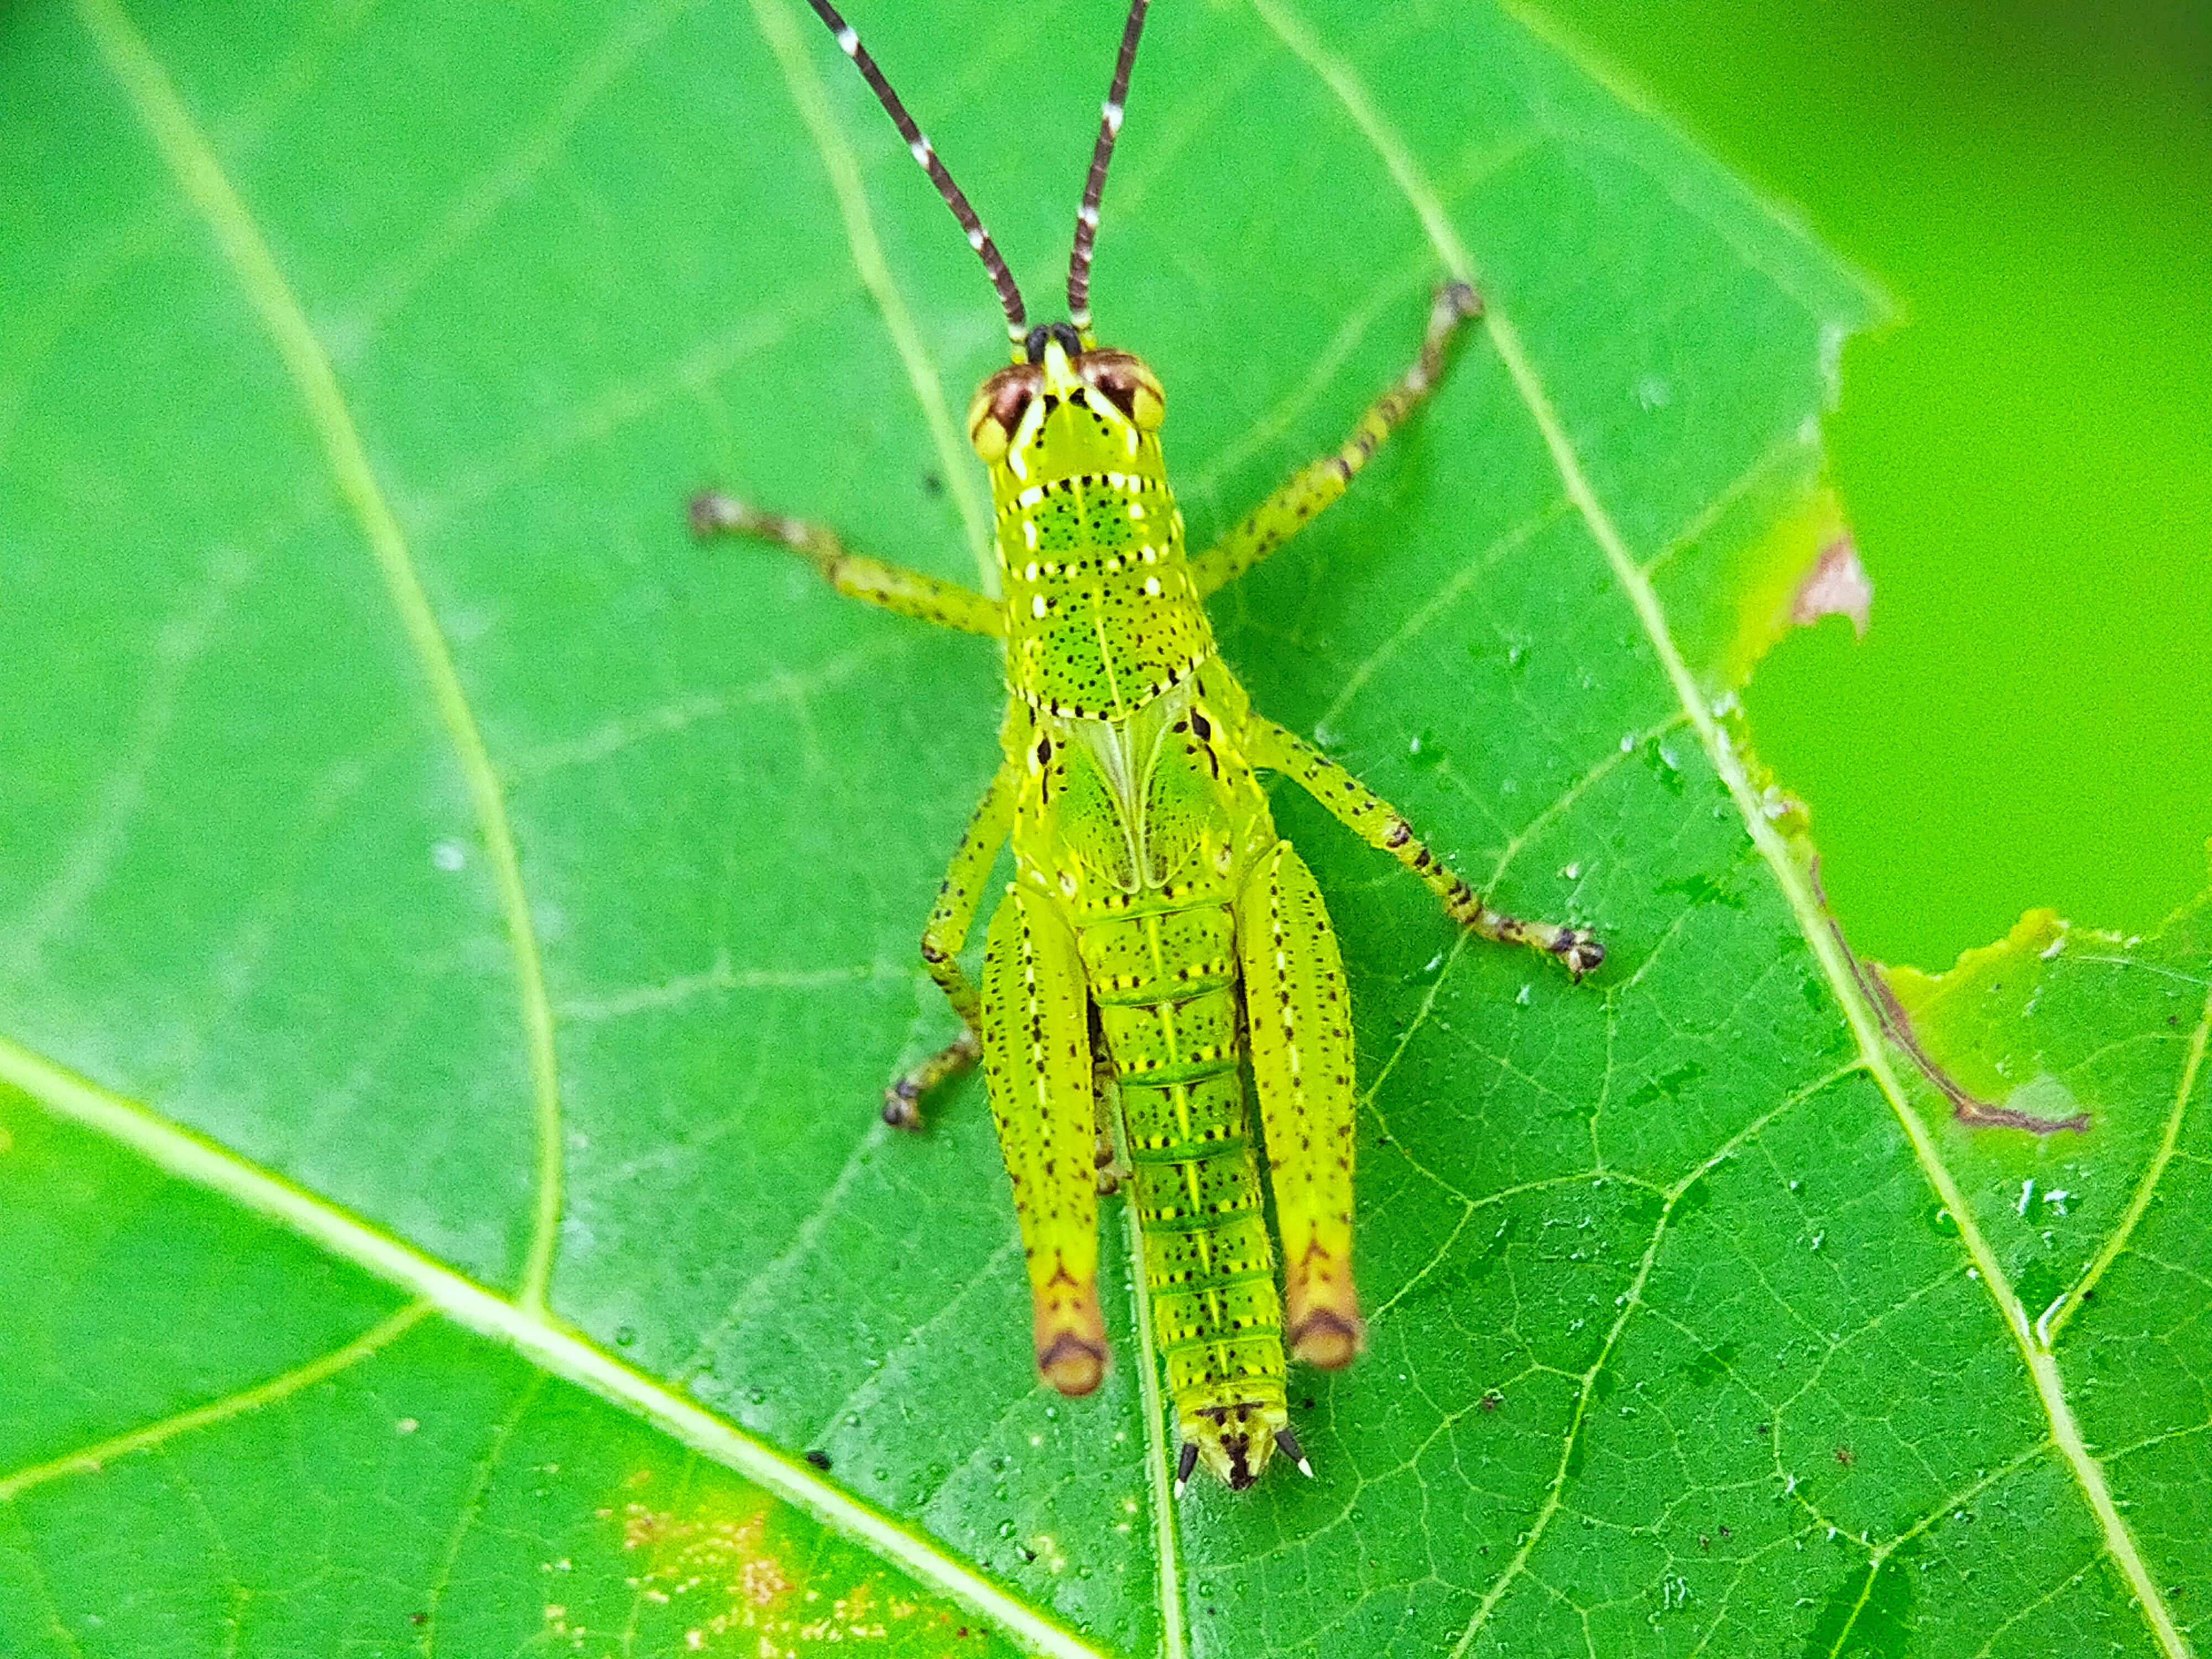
1010	296
1094	188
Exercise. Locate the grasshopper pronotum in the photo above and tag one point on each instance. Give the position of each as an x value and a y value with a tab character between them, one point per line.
1157	931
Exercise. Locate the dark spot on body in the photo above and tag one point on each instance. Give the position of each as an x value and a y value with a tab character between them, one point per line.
818	1458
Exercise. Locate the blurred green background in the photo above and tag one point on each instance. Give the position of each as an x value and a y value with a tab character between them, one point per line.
2026	454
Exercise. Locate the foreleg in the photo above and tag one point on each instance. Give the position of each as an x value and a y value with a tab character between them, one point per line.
892	586
1314	486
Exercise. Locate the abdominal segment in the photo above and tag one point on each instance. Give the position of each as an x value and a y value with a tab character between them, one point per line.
1164	984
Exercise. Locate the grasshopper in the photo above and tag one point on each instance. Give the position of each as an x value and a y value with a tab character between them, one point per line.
1157	933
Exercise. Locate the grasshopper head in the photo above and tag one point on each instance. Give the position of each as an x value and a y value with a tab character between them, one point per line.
1064	407
1236	1442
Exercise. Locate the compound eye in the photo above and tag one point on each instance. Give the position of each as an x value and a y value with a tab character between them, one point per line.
985	432
997	411
1133	388
1148	404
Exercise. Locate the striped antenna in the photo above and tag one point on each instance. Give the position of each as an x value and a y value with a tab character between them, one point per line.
1010	297
1094	188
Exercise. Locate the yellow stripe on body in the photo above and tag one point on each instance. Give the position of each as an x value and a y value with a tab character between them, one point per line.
1301	1062
1036	1053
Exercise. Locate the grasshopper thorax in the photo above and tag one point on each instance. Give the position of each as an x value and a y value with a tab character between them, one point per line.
1101	614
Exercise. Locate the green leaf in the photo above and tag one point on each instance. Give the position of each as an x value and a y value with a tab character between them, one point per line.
453	930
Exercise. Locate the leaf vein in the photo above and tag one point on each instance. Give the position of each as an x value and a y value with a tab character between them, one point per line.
531	1332
2048	1327
471	1509
1789	877
200	177
90	1460
776	26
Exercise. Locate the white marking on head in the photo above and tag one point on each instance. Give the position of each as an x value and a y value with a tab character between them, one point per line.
848	42
1025	434
1060	377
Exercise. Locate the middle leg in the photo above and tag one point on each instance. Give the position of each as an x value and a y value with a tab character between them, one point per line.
958	898
1380	824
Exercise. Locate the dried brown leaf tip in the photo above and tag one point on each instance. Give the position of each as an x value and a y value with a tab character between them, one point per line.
1836	585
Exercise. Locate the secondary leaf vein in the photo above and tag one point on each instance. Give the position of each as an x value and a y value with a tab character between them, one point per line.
199	175
90	1460
782	34
2054	1320
1789	877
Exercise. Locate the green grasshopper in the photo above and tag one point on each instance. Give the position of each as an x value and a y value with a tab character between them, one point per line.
1157	932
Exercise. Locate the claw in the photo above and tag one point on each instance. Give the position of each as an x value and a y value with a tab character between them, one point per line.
1185	1464
1463	299
1579	949
903	1104
713	511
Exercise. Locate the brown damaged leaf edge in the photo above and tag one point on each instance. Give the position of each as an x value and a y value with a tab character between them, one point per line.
1790	556
1966	1107
1837	585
